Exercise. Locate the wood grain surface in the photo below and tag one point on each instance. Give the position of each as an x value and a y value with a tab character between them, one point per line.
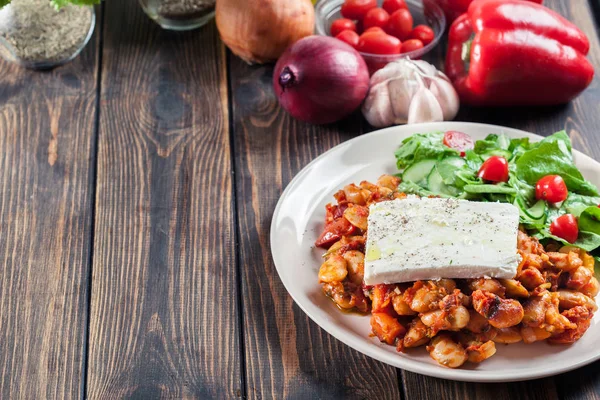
47	131
179	177
164	300
287	355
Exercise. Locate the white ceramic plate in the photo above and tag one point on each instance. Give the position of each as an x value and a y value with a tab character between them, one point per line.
298	220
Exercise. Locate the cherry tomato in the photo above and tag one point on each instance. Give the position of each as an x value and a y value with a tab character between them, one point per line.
422	32
494	169
458	141
565	227
400	24
357	9
411	45
343	24
392	6
551	188
374	29
376	17
349	37
378	43
334	231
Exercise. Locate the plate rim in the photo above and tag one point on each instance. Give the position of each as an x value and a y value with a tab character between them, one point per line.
398	361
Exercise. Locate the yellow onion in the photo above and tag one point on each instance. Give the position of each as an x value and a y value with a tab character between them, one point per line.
259	31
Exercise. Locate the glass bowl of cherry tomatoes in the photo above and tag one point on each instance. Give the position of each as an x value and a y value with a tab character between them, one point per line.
383	31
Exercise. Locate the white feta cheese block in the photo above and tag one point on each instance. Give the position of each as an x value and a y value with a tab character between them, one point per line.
432	238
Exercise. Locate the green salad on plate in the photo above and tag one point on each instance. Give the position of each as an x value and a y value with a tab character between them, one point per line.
540	178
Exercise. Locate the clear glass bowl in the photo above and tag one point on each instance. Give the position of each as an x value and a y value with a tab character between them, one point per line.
179	15
36	35
426	12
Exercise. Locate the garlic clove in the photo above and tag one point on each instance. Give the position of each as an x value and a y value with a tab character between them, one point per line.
425	68
393	70
401	95
446	96
377	108
424	108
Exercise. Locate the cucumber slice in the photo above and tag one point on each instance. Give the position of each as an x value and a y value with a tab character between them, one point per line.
535	214
537	211
435	184
418	172
489	188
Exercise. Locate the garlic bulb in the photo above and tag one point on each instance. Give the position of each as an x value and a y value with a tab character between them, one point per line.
408	92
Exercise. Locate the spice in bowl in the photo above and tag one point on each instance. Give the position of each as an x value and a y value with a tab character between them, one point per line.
179	14
37	35
184	9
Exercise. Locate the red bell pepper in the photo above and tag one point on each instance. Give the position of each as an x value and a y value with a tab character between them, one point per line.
455	8
511	52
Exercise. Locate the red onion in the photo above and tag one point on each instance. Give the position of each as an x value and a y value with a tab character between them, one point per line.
320	79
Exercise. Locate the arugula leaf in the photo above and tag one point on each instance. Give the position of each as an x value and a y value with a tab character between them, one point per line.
524	190
576	203
493	145
587	241
492	142
589	220
422	146
473	160
552	156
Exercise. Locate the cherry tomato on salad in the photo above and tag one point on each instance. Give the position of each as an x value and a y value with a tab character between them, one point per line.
349	37
458	141
411	45
494	169
400	24
378	43
565	227
551	188
343	24
357	9
422	32
376	17
392	6
334	231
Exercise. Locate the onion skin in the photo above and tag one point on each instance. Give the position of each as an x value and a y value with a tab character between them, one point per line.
259	31
320	80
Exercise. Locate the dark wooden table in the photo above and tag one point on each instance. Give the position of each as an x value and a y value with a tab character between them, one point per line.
137	186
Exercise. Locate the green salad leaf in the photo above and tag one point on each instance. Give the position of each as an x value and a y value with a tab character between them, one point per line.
423	146
441	171
553	158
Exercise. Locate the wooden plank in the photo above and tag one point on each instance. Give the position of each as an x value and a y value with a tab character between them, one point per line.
164	310
424	388
47	157
287	355
581	119
581	384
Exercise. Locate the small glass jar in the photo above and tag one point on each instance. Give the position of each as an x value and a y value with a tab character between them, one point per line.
36	35
180	15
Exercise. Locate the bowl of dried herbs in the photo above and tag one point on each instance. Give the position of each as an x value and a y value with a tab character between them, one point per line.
43	34
179	15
